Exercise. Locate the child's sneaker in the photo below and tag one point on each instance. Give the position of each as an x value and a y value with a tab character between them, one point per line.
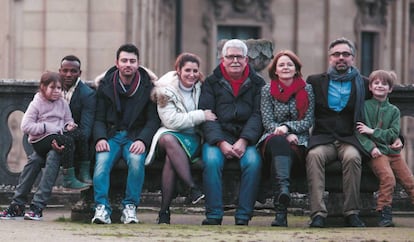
35	213
101	215
14	211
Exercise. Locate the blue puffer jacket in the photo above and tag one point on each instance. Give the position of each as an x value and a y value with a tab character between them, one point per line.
237	117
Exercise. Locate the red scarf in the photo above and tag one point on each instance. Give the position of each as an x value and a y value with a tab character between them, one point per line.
235	83
283	93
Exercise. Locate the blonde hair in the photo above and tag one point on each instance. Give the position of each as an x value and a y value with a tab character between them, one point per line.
389	76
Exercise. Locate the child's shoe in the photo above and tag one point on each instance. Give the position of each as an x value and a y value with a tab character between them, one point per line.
71	182
14	211
386	217
35	213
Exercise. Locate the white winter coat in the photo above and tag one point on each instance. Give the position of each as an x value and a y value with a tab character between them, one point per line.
171	109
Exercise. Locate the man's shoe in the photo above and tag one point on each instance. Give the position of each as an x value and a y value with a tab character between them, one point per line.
241	222
164	217
101	215
129	214
353	220
35	213
211	221
14	211
196	195
317	222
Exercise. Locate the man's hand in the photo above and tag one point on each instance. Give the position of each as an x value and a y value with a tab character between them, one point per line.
227	150
57	147
240	147
102	145
138	147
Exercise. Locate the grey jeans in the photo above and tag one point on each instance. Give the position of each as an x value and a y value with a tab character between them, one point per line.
28	177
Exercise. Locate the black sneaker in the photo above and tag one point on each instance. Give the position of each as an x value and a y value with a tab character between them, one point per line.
14	211
164	217
196	195
353	220
35	213
211	221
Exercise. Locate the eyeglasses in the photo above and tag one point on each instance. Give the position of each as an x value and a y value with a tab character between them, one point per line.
344	54
237	57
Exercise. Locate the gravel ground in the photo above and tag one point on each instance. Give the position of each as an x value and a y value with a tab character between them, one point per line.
56	226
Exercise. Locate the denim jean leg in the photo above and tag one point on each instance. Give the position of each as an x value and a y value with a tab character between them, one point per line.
250	164
136	175
27	178
213	161
101	176
49	176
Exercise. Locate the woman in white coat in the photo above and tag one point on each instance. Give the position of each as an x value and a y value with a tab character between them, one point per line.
176	94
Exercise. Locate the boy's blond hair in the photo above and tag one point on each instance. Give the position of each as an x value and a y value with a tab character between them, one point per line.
389	76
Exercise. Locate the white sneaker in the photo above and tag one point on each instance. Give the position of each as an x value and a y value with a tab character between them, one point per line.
101	215
129	214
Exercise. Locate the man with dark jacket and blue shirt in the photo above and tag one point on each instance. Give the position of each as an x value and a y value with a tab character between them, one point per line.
126	120
232	92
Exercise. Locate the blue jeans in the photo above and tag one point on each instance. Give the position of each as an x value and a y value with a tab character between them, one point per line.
119	147
250	164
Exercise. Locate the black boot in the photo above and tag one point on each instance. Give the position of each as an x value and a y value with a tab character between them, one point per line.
386	217
281	216
281	166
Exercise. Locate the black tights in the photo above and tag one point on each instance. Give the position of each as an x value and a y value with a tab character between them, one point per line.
176	163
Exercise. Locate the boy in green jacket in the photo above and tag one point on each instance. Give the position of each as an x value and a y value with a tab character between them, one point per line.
381	128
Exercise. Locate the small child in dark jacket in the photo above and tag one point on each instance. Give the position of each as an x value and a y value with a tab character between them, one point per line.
381	128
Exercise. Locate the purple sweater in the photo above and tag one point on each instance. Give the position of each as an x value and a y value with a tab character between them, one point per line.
44	117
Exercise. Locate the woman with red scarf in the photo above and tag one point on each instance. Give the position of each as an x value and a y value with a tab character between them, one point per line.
287	105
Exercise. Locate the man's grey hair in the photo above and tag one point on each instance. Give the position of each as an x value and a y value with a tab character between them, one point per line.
234	43
342	40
